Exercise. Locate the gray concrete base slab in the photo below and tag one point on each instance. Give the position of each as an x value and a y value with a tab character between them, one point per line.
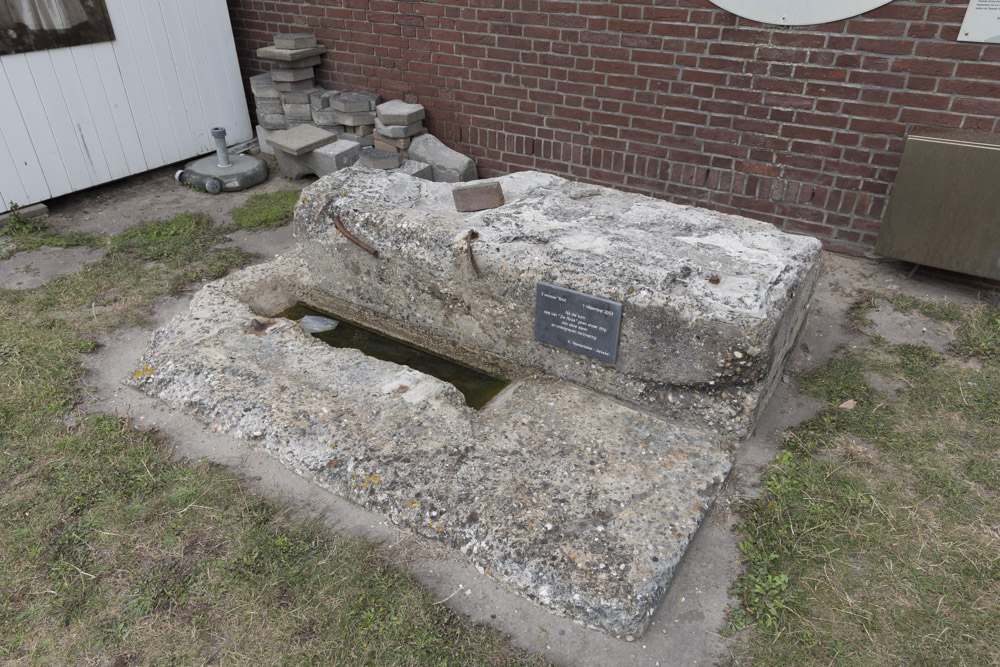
574	500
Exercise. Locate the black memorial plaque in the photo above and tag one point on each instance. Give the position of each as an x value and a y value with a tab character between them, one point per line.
577	322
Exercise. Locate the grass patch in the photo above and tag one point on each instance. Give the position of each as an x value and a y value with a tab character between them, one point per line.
266	211
877	539
22	234
112	553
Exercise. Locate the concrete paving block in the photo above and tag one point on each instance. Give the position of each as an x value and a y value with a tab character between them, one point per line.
319	100
311	61
270	105
376	159
292	166
398	112
295	86
298	111
325	117
417	169
299	96
290	41
366	140
273	121
373	99
262	86
354	119
301	139
361	130
333	157
262	136
336	129
350	102
478	196
450	166
288	55
281	74
399	131
402	143
382	146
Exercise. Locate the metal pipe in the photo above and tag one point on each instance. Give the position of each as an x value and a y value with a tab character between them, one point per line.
220	147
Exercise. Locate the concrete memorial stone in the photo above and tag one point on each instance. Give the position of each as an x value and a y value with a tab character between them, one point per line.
582	483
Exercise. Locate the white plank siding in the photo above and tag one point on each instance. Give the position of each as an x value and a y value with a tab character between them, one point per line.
77	117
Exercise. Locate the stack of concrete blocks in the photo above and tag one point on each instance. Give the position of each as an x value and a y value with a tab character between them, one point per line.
341	127
396	123
283	95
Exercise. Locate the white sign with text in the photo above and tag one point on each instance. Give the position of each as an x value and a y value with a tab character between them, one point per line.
799	12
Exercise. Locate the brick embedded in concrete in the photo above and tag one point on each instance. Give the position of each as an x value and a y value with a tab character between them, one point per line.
478	196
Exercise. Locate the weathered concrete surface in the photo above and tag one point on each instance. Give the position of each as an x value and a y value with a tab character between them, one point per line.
712	303
577	501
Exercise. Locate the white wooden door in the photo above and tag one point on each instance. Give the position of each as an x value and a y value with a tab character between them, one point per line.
77	117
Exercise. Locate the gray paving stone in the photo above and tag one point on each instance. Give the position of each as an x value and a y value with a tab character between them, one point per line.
262	86
336	129
319	99
365	140
298	111
402	143
354	119
417	169
350	102
399	131
373	99
294	86
333	157
290	41
288	55
281	74
361	130
301	139
270	105
377	159
450	166
398	112
299	96
311	61
382	146
262	136
325	117
273	121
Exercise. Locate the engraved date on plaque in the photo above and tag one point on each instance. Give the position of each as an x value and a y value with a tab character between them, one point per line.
577	322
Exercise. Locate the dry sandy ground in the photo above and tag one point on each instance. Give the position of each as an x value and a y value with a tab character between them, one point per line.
687	628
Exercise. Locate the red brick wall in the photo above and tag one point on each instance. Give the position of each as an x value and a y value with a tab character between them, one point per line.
800	127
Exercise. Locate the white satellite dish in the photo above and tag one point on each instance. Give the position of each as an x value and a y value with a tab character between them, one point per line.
798	12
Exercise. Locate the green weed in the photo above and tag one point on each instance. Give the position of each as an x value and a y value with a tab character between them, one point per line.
875	539
266	211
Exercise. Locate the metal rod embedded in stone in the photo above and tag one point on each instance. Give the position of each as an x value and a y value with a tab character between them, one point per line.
350	237
219	133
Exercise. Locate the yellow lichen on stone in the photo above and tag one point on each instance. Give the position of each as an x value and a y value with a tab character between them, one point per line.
144	371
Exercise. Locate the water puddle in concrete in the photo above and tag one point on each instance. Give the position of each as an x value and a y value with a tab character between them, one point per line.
477	387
